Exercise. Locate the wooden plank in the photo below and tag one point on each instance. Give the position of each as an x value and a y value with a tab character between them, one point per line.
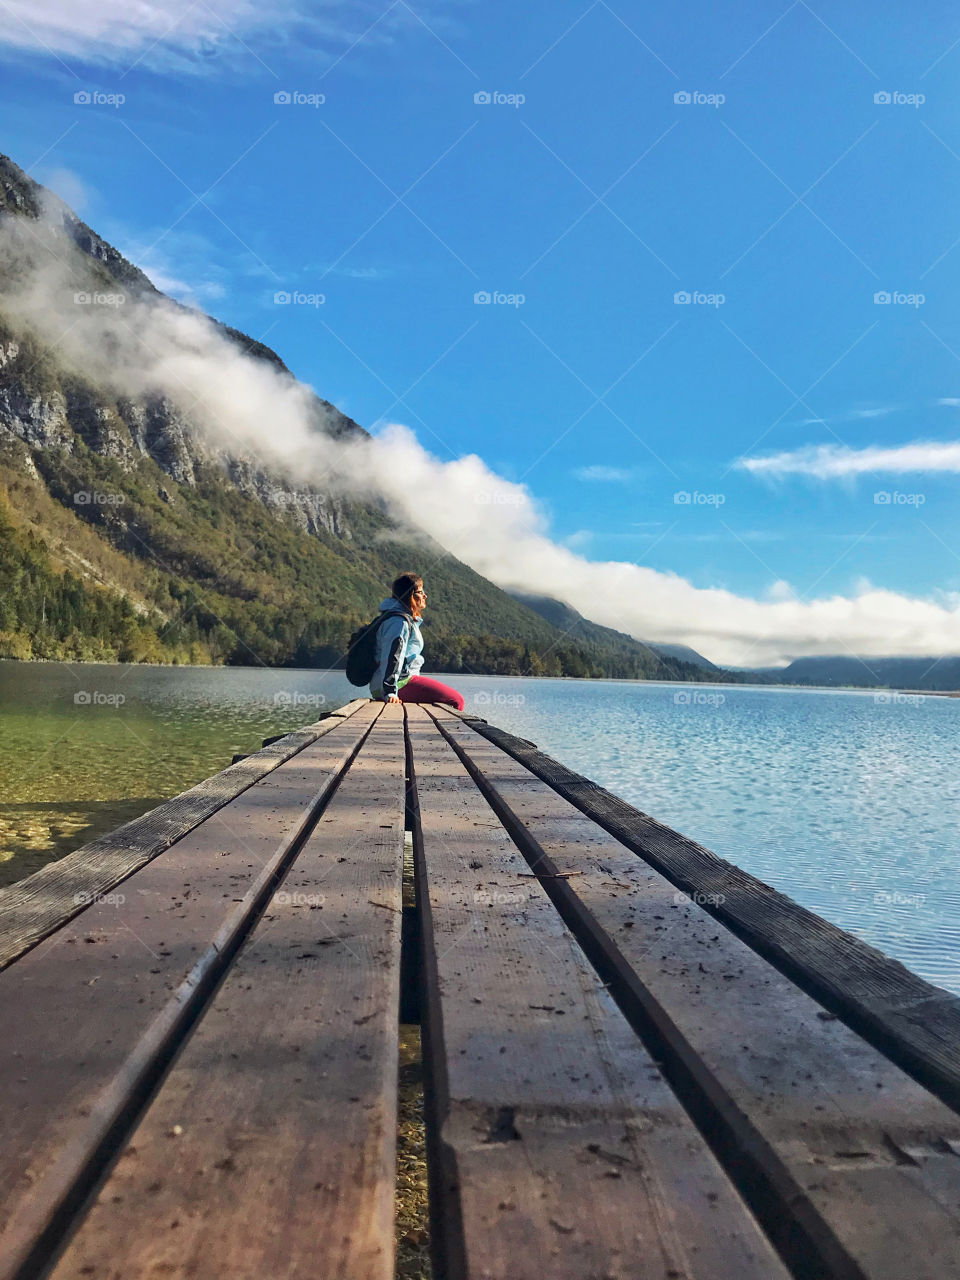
910	1020
99	1007
556	1146
32	908
853	1166
282	1105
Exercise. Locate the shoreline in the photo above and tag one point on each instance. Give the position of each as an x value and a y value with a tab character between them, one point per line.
893	690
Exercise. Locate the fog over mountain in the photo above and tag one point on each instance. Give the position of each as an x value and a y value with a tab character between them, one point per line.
223	398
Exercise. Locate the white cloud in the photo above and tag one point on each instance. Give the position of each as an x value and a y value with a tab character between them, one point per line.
602	474
246	407
831	461
184	34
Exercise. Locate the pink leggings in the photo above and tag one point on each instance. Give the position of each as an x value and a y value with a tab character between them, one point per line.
423	689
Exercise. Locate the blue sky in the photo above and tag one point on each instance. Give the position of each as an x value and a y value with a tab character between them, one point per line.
782	209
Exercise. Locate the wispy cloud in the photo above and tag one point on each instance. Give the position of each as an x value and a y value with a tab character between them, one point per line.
852	415
834	462
603	474
185	35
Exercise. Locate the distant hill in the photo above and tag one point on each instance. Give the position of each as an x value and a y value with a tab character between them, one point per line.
686	663
935	674
683	653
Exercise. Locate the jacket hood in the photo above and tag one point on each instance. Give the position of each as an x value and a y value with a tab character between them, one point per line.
391	604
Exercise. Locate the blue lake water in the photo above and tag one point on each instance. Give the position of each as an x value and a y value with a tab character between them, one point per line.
847	801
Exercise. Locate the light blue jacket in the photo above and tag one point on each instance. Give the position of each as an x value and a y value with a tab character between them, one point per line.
399	650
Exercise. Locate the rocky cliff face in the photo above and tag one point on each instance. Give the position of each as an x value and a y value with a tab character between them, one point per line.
45	406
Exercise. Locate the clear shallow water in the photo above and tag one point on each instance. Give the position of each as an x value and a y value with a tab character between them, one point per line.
71	770
849	804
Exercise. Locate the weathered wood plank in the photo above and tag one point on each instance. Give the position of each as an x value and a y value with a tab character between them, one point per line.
852	1164
908	1019
283	1102
32	908
557	1148
99	1007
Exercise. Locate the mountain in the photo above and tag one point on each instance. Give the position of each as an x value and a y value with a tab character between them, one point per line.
685	662
129	531
933	674
683	653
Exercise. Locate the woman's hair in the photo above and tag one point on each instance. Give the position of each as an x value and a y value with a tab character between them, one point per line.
404	587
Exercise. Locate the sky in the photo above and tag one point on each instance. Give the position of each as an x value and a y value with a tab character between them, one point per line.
688	275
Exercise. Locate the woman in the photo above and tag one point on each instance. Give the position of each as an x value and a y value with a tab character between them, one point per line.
400	649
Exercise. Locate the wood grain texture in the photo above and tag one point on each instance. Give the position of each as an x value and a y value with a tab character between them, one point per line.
908	1019
97	1006
33	908
857	1161
558	1149
270	1148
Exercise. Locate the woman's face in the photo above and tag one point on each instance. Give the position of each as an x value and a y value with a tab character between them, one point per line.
418	601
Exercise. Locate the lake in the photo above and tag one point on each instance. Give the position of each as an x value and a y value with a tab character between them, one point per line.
847	801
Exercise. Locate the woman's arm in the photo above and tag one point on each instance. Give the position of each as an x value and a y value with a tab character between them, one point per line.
395	633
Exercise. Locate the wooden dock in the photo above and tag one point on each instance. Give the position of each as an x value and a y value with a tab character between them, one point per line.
641	1063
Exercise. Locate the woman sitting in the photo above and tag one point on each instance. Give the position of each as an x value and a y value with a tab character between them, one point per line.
399	649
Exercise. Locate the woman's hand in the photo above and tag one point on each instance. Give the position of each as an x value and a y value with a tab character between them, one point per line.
392	698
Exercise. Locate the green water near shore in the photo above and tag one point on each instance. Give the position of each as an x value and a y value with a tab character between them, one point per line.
85	748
